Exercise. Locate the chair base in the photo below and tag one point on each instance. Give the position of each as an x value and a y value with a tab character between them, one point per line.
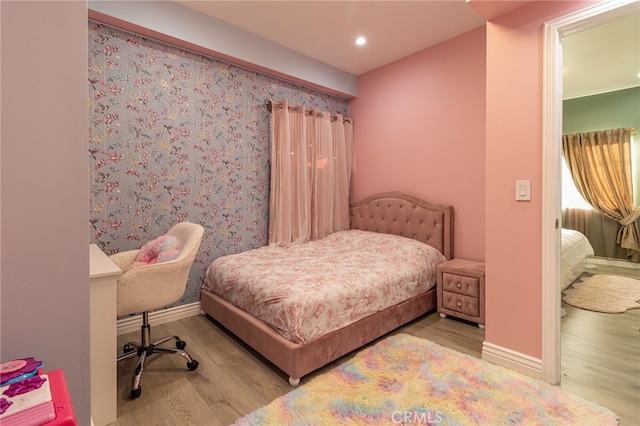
144	349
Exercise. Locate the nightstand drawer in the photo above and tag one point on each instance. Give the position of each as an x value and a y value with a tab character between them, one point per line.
460	284
460	303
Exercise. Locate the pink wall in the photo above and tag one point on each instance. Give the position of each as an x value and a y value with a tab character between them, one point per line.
459	123
420	128
514	151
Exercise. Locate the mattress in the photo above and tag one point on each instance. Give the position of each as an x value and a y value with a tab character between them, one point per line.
307	290
575	248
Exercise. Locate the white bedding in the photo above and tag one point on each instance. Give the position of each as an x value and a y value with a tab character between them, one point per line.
354	274
575	248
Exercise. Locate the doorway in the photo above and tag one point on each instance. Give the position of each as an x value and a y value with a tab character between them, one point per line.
552	132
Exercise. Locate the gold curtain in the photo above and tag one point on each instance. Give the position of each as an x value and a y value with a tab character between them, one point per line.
311	162
600	164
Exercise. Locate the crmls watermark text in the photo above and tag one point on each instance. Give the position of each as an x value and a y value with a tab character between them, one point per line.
417	417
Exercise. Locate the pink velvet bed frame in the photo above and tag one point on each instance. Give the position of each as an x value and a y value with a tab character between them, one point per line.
391	212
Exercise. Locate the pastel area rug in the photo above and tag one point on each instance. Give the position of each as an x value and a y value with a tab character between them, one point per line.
407	380
604	293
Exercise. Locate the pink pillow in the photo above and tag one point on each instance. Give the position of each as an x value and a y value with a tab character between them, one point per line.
162	249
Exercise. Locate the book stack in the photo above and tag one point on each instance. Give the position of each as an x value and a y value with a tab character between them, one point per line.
25	394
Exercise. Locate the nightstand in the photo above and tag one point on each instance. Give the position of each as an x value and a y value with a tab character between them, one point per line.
461	290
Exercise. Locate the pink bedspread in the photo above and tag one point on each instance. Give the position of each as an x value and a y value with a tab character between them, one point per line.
308	290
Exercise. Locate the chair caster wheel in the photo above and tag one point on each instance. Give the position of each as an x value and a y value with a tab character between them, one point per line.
127	349
135	393
181	344
192	365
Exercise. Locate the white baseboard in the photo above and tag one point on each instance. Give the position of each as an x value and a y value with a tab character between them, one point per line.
613	262
127	325
517	361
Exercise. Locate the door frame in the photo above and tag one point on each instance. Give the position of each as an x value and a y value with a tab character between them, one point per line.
554	31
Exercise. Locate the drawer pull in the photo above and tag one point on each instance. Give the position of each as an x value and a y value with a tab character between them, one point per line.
459	304
459	285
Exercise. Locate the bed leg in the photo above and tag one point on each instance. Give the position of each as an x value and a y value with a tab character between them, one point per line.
294	382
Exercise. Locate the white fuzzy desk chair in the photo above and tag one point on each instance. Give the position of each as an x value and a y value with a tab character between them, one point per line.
143	289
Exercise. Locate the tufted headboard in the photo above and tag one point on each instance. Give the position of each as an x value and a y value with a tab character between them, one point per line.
408	216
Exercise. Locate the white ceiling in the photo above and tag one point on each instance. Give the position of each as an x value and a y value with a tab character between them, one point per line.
326	30
603	58
598	60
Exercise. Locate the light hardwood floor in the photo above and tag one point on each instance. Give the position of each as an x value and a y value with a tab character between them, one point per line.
601	355
232	380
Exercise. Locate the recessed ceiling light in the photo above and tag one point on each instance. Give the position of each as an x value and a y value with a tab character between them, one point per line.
360	41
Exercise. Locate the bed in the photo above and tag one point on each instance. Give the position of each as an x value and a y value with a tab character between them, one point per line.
336	324
575	249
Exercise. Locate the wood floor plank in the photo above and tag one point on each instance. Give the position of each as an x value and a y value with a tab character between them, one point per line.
600	355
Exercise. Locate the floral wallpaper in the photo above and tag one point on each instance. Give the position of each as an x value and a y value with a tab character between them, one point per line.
176	136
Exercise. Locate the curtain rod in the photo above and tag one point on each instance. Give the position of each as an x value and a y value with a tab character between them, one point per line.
632	131
269	105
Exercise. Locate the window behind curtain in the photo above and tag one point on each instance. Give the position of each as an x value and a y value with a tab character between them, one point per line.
571	198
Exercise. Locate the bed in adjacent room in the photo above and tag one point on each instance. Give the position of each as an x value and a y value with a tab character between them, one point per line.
306	305
575	249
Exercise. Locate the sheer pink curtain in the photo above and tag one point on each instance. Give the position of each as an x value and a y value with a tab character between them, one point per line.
311	156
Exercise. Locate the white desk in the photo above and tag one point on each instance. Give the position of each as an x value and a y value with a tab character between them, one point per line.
103	275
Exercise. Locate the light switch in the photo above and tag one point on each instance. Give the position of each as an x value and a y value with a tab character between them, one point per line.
523	190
